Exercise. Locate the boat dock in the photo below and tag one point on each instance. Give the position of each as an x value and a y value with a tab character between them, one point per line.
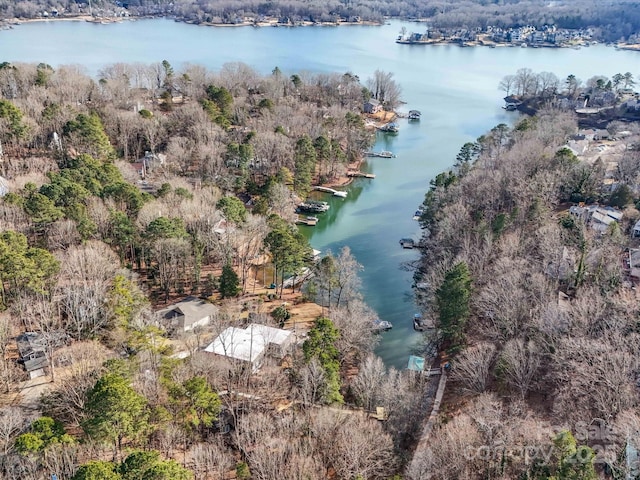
407	242
313	207
335	193
421	324
354	173
383	154
309	221
390	127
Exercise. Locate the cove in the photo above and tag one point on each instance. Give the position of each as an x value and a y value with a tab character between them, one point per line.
454	88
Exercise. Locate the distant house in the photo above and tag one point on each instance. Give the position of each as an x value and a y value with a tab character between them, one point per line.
601	134
601	218
636	229
32	351
251	345
581	213
634	263
588	134
187	314
150	162
632	105
372	106
598	217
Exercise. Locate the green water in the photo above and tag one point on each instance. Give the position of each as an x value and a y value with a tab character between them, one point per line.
455	88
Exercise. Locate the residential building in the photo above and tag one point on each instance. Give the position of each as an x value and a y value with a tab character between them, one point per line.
32	351
372	106
251	345
187	314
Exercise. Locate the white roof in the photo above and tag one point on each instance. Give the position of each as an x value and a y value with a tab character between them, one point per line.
4	186
615	215
247	344
602	218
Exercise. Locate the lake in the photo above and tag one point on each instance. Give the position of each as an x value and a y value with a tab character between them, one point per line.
454	88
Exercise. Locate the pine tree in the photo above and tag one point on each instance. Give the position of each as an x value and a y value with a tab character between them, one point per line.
229	282
453	305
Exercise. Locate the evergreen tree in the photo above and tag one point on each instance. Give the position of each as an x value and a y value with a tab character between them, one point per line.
289	249
90	135
43	433
115	411
452	299
97	470
320	344
233	209
195	403
305	164
229	282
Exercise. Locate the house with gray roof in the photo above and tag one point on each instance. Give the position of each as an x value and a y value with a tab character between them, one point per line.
32	351
372	106
187	314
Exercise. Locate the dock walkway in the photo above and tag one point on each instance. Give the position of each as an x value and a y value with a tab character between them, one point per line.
311	222
383	154
415	468
335	193
355	173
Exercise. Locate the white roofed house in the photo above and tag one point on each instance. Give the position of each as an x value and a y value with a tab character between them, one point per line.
251	345
187	314
601	218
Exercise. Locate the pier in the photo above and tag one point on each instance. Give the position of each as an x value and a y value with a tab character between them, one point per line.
383	154
335	193
415	467
355	173
309	221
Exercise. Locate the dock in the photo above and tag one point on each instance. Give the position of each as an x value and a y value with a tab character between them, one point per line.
391	127
309	221
354	173
335	193
407	242
383	154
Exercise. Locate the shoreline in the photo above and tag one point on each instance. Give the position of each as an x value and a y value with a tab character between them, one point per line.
272	22
7	23
372	121
491	44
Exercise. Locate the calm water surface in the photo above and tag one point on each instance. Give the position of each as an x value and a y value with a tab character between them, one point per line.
455	88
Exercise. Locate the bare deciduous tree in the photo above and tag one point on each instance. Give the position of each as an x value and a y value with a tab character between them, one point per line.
385	89
366	386
472	368
12	422
519	363
87	271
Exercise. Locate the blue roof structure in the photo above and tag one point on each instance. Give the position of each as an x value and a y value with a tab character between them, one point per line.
416	363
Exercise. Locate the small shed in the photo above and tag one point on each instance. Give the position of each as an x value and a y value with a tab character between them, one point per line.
187	314
634	263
